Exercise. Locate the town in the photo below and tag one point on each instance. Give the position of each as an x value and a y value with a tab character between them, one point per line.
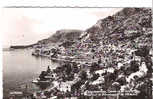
114	55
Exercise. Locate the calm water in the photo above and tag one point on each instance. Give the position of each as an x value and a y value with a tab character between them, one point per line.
19	66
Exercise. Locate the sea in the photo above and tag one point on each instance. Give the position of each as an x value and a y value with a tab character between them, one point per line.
20	68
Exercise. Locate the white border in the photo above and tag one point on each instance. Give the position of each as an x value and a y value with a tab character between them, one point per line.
68	3
80	3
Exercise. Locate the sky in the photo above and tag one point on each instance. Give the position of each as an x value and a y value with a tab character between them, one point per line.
23	26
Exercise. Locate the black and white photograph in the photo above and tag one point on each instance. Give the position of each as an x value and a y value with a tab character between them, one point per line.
77	53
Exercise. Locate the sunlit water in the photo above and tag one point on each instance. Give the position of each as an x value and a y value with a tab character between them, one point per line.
19	66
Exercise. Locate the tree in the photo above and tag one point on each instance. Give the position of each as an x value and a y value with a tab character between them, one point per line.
42	75
83	75
48	70
134	66
144	51
68	69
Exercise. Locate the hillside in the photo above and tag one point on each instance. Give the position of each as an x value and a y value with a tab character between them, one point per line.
116	51
125	30
61	36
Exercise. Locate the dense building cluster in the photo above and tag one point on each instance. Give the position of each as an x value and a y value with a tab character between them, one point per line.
113	55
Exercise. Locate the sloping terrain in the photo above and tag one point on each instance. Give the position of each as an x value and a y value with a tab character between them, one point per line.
61	36
122	42
116	51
